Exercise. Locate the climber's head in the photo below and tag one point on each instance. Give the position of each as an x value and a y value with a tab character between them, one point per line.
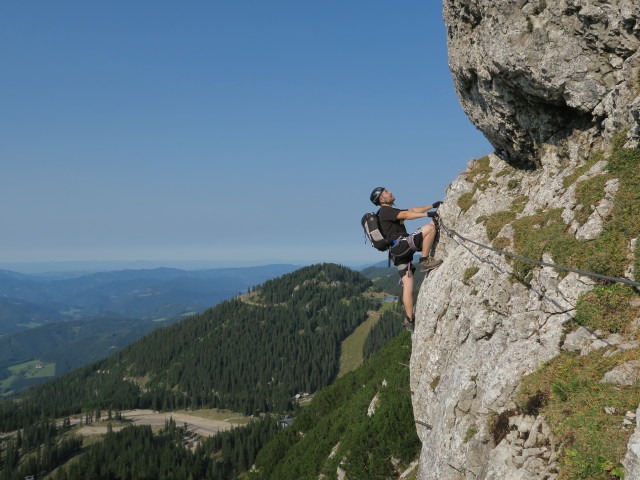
381	195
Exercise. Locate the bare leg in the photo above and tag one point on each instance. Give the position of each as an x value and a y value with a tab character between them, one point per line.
407	293
428	236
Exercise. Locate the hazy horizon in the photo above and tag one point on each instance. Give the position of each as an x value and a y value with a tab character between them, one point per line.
94	266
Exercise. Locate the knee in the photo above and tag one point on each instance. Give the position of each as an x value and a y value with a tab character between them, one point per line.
428	230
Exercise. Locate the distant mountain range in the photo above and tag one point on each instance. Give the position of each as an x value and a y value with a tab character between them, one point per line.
156	294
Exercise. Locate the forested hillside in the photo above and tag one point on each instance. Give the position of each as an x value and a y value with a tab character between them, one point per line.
135	452
250	356
362	425
364	418
132	452
58	348
17	314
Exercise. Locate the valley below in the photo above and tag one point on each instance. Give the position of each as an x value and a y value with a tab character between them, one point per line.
202	422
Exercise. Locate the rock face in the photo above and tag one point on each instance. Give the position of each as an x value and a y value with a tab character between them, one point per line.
530	73
632	459
476	337
548	84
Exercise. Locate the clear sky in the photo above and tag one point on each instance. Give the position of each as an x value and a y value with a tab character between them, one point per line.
234	132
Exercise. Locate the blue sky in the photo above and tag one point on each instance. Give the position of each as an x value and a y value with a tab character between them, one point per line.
236	133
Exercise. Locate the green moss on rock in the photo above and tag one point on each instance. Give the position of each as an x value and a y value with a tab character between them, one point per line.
610	308
468	274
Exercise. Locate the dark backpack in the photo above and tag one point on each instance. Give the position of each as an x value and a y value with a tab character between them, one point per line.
373	232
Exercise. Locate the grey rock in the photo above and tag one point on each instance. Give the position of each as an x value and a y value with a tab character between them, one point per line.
373	405
615	339
594	224
595	345
526	424
634	133
626	374
547	87
535	435
580	340
531	440
528	77
623	348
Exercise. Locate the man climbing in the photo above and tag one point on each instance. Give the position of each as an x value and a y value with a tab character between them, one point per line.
403	245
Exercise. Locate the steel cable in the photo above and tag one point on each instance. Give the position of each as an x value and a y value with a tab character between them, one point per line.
538	262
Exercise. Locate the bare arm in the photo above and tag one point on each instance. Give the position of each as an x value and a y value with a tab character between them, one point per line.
421	209
413	213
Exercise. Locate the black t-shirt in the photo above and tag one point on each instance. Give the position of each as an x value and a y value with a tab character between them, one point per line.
391	226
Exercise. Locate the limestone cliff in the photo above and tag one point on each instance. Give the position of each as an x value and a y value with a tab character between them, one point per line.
549	84
531	73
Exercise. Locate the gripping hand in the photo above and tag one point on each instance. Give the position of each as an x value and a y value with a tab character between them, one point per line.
436	204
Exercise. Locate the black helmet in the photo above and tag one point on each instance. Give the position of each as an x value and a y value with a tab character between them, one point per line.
375	195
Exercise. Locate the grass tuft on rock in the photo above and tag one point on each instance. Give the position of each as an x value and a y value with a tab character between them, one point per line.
611	308
466	201
468	274
497	220
501	243
578	172
480	167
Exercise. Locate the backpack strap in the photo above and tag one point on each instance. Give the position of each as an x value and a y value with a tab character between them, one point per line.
389	242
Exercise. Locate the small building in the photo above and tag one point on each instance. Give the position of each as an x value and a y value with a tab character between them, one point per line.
285	422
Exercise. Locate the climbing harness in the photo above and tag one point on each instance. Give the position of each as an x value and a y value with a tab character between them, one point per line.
453	233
